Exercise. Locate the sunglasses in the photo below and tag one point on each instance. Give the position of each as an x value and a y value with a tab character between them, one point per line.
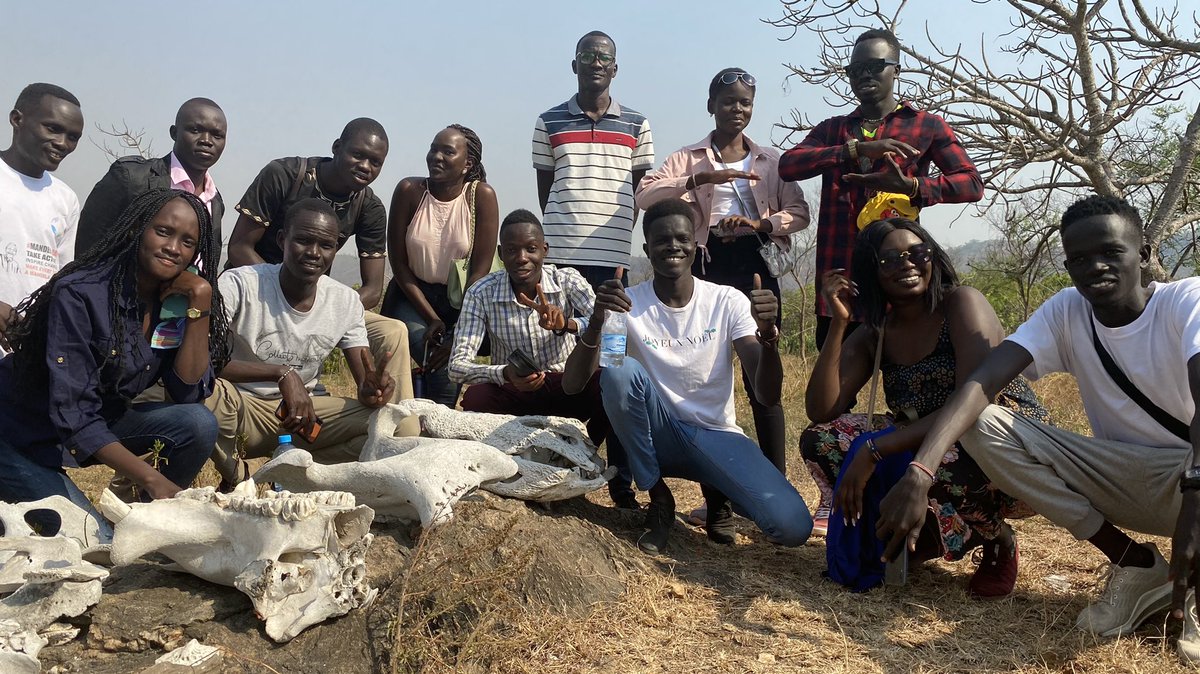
587	58
868	67
733	76
919	255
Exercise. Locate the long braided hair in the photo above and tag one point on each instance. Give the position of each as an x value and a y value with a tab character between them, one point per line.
118	250
474	153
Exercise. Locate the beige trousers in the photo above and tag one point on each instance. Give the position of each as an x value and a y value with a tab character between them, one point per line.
1078	482
249	421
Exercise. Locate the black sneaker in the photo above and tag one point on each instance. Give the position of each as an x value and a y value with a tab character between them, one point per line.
659	517
719	524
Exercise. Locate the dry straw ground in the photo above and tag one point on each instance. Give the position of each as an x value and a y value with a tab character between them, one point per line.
760	608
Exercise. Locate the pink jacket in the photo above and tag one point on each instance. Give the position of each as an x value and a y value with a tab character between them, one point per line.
780	202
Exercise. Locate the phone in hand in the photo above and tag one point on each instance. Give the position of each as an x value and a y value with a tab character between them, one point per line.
281	413
895	572
522	364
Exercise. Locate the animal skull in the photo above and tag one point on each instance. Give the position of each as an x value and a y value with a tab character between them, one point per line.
421	480
77	523
555	459
300	557
19	648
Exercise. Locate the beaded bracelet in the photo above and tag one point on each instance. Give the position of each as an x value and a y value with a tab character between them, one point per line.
291	369
924	469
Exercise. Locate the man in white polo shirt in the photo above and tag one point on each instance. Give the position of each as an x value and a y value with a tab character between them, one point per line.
38	212
590	154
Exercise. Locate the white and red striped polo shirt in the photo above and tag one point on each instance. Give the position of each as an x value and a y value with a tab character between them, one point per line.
589	216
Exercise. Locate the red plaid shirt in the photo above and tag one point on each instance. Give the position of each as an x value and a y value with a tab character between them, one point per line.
823	152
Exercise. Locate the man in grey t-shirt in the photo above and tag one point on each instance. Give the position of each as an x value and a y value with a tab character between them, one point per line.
285	320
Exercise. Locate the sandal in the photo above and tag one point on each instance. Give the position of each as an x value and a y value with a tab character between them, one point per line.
996	576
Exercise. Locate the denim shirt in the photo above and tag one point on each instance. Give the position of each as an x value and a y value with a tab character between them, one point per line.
65	420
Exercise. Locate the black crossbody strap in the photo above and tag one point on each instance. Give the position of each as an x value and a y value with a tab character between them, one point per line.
1164	418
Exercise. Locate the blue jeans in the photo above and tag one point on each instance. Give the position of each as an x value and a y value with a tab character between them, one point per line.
188	434
433	385
660	445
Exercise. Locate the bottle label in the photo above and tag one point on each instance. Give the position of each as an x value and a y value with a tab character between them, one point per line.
612	344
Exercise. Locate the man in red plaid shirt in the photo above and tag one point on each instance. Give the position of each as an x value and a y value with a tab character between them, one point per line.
881	146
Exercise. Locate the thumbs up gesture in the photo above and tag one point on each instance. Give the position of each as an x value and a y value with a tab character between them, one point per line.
764	306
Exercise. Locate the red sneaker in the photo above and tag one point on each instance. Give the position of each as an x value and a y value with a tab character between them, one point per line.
997	573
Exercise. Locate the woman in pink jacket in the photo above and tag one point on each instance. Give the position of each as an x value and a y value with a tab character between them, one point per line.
740	203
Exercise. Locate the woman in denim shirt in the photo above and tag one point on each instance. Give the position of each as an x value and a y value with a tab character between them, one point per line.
102	330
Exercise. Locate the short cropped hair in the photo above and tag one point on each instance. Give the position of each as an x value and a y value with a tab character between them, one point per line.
33	94
1098	205
715	85
596	33
880	34
309	205
522	217
363	125
667	208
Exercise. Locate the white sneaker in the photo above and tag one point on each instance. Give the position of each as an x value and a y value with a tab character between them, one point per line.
1188	646
1130	596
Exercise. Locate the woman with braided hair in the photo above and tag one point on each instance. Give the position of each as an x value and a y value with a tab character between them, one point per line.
451	215
103	329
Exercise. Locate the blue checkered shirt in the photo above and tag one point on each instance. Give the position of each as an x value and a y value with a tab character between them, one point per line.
490	308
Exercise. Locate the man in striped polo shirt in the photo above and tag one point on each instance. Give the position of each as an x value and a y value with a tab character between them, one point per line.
589	154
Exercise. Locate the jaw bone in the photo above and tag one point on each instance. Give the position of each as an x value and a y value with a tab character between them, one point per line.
421	482
554	456
300	557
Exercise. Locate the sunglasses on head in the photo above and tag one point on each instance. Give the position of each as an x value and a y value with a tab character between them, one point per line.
587	58
920	255
733	76
868	67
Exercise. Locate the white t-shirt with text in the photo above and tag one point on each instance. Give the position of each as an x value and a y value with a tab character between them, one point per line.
265	328
1152	351
38	217
688	352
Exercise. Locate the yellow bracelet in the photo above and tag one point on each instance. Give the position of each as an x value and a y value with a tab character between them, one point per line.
916	190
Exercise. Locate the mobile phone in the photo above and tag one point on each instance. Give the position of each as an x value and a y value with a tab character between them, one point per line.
522	364
895	573
281	413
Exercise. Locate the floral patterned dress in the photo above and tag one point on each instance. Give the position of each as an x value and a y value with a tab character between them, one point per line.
964	501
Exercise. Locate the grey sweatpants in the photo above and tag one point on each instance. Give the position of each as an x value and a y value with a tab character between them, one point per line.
1078	482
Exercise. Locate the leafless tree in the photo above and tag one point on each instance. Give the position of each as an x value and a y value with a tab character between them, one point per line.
1025	255
127	141
1078	101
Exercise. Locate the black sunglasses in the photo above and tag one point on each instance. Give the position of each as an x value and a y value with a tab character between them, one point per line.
919	255
587	58
868	67
733	76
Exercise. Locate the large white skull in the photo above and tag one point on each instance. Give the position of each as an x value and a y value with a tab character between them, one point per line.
421	482
19	648
76	522
300	557
555	459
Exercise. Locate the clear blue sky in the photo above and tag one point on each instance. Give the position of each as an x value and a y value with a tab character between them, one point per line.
290	74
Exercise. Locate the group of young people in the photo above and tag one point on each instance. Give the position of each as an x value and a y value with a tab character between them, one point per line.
126	344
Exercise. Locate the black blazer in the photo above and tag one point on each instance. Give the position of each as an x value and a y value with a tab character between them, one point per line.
127	178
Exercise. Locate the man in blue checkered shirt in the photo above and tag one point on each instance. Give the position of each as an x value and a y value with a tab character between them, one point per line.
537	310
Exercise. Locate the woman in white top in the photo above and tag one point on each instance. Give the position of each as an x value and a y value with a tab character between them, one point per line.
429	226
739	202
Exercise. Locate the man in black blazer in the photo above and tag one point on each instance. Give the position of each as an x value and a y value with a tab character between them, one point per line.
199	135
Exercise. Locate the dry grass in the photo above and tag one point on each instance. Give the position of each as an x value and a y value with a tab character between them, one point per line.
760	608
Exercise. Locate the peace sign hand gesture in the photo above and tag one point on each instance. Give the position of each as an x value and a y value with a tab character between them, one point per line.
550	317
377	386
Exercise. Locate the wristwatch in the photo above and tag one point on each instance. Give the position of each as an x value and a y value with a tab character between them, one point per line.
193	312
1190	480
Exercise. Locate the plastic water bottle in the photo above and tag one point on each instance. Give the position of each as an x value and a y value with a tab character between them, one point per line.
285	444
612	340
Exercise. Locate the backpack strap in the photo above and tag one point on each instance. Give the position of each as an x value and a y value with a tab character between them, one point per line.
1164	418
298	182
